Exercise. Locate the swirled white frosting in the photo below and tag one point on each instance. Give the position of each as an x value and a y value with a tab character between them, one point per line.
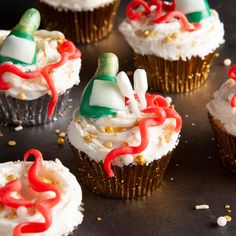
169	41
77	5
162	139
66	215
220	108
64	77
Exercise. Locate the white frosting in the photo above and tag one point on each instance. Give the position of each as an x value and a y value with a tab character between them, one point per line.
169	41
64	77
162	139
220	108
77	5
66	215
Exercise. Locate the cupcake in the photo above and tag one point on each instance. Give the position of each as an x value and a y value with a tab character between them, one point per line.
37	197
222	117
37	72
82	21
123	138
175	43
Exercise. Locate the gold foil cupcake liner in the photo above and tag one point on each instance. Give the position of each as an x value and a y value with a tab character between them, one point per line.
80	26
174	76
131	181
15	111
226	144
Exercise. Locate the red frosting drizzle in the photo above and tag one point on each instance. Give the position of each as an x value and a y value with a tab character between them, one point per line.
232	75
159	17
156	105
68	52
44	206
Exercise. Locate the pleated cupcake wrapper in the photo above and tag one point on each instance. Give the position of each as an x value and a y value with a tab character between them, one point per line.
80	26
14	111
174	76
226	144
131	181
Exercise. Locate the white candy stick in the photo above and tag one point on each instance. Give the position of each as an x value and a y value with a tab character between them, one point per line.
127	90
141	86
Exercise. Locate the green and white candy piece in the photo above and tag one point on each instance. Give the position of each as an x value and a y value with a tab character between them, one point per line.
19	47
101	96
195	10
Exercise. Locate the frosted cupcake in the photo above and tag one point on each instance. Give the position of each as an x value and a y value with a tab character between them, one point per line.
37	72
222	116
122	138
175	43
82	21
38	198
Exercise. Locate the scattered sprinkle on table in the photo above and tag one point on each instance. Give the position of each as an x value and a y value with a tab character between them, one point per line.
209	157
172	179
70	100
18	128
227	206
202	207
60	141
186	116
227	62
221	221
56	131
99	218
12	143
62	135
193	124
1	134
228	218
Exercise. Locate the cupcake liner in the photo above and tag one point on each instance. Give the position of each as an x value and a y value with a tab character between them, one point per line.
174	76
131	181
226	144
14	111
80	26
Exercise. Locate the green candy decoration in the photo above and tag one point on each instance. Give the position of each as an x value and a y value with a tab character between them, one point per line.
19	47
195	10
105	76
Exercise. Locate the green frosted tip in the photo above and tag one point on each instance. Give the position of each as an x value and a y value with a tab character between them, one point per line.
29	22
108	64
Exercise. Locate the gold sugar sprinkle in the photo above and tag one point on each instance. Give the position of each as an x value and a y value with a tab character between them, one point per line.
12	143
46	180
87	139
60	141
228	218
102	129
229	211
56	131
120	129
109	129
78	121
227	206
11	178
62	135
11	215
170	38
99	218
21	96
140	160
108	144
92	135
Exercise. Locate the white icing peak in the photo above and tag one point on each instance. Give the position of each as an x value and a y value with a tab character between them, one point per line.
170	41
64	77
77	5
66	215
220	106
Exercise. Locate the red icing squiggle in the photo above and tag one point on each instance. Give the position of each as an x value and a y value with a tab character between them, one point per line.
157	106
232	75
159	17
44	206
68	52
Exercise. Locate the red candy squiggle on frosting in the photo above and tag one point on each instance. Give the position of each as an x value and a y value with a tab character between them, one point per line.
68	52
232	75
44	206
157	106
159	17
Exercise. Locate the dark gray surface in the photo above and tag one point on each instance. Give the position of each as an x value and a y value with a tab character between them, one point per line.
197	180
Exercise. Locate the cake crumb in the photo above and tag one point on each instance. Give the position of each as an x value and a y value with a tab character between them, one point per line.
227	62
99	218
12	143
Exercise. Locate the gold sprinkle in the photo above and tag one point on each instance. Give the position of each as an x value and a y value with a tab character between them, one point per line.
168	137
78	121
92	135
62	135
120	129
170	38
99	218
12	143
137	122
102	129
21	96
46	180
109	129
11	215
11	178
108	144
146	33
140	160
172	107
87	139
60	141
229	211
228	218
227	206
56	131
1	207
